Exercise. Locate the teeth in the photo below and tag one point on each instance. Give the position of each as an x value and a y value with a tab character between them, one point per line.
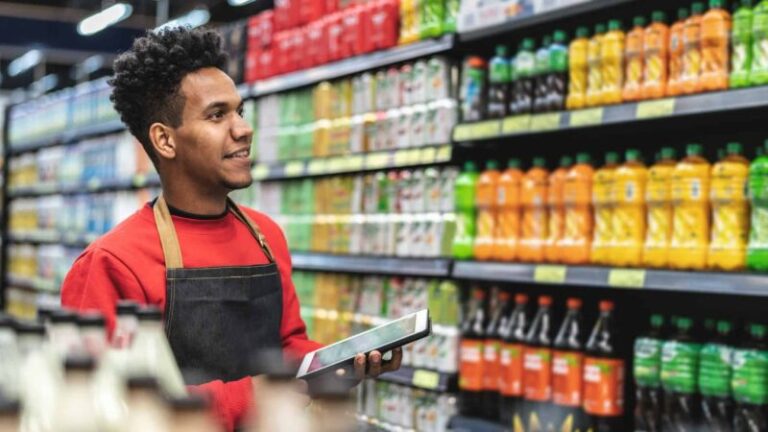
241	153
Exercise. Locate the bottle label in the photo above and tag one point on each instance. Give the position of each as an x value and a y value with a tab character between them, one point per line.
566	378
471	365
750	376
679	362
537	374
491	360
690	227
730	226
511	370
758	236
659	228
760	56
715	370
604	387
647	362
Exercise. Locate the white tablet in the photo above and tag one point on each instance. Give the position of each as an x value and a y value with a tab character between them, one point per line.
383	338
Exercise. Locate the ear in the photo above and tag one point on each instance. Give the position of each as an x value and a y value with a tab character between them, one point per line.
162	140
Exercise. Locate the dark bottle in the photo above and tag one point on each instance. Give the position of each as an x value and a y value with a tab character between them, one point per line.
521	100
499	82
647	373
604	375
679	371
471	365
511	366
715	380
567	363
541	76
473	90
750	382
492	355
537	367
558	72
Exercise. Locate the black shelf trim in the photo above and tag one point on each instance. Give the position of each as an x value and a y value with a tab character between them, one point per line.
436	381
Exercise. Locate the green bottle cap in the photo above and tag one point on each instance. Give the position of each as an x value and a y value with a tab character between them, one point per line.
566	161
599	29
724	327
513	163
659	17
539	162
682	14
501	51
546	41
757	330
720	153
693	150
709	324
611	158
697	8
746	3
582	32
559	37
715	4
583	158
470	167
528	44
614	25
632	155
684	323
657	321
491	165
638	21
668	153
765	145
733	148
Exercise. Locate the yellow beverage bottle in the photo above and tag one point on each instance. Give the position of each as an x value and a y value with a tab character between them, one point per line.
658	201
690	221
730	211
633	55
603	202
577	195
556	210
612	60
595	71
578	70
629	213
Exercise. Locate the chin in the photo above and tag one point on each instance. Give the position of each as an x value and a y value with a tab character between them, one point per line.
238	184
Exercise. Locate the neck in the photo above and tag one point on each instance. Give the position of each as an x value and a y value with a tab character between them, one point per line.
194	199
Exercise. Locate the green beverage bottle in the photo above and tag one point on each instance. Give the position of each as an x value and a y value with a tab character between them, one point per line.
541	76
464	193
757	248
558	75
741	41
679	363
647	373
499	80
523	80
715	379
750	382
759	71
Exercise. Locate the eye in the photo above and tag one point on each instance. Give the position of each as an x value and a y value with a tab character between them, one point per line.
241	111
216	115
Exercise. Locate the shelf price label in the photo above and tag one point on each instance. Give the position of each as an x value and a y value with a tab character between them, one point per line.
444	154
550	273
427	155
260	172
139	180
293	169
479	130
337	164
516	124
626	278
587	117
317	166
655	108
425	379
545	122
376	160
354	162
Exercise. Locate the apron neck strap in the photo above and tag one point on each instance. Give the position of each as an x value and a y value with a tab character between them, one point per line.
170	242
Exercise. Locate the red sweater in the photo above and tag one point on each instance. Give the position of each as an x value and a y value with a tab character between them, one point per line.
128	263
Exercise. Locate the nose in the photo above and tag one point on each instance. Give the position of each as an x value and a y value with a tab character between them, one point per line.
241	130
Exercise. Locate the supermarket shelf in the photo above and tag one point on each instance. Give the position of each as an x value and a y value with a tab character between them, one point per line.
352	65
422	378
53	237
30	284
744	284
69	136
377	265
353	163
93	186
669	108
468	424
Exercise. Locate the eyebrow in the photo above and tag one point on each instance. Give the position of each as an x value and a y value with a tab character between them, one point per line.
221	104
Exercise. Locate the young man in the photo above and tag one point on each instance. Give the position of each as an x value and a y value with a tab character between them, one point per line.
221	272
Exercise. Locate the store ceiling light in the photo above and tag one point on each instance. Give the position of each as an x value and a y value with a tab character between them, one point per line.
27	61
239	2
107	17
194	18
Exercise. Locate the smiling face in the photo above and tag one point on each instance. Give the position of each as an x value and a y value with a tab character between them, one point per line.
213	142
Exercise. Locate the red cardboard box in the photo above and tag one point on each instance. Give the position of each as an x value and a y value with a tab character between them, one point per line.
252	65
384	24
316	40
335	29
300	59
260	29
354	40
266	67
282	52
286	14
310	11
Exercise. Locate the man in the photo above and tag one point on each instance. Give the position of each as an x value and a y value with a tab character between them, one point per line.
221	272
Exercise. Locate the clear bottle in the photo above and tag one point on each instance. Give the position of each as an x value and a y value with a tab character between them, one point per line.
541	76
76	401
126	324
499	80
147	411
92	333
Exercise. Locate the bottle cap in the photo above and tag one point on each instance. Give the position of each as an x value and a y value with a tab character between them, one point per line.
44	313
733	148
638	21
668	153
684	323
573	303
513	163
539	162
91	319
142	382
599	29
6	321
659	17
724	327
501	50
63	316
614	25
491	165
697	8
682	14
693	150
126	307
478	293
30	328
149	313
528	44
559	36
746	3
757	330
713	4
582	32
476	62
583	158
566	161
469	166
611	158
521	298
504	296
545	300
606	306
80	362
657	321
632	155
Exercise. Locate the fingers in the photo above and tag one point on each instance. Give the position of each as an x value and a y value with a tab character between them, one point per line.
360	366
394	364
374	364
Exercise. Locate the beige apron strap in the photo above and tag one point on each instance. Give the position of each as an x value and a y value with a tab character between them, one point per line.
242	217
168	239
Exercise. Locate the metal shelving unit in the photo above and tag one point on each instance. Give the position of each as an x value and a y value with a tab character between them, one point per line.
374	265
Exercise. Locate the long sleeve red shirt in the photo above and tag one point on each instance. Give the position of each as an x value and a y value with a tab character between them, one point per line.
128	263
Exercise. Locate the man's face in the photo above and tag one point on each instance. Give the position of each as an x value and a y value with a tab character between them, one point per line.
213	142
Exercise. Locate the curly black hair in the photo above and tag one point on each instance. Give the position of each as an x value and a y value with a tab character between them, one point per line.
145	87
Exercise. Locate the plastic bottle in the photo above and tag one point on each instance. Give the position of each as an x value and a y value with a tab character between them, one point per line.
511	367
594	96
578	70
679	372
473	91
677	54
629	213
533	201
541	76
715	47
730	211
567	362
715	379
655	57
556	210
499	80
612	56
741	45
508	202
759	72
603	200
604	375
492	355
658	200
558	72
471	361
757	249
647	373
576	244
750	381
690	222
691	82
633	60
523	82
487	212
537	366
464	195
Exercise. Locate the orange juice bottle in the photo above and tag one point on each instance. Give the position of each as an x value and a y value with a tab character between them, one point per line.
692	50
677	54
656	58
533	200
578	70
715	47
658	200
556	210
603	202
508	202
730	211
577	241
629	213
633	60
487	211
594	61
612	60
690	220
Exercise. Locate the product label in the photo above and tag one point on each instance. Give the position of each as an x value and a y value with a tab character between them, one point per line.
758	236
471	365
578	224
511	370
604	387
654	59
750	376
715	370
730	226
679	366
566	378
659	229
690	226
491	360
647	362
658	187
537	374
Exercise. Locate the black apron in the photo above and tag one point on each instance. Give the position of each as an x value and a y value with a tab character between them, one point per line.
218	318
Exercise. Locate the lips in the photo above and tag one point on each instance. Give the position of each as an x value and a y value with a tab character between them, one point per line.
240	154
